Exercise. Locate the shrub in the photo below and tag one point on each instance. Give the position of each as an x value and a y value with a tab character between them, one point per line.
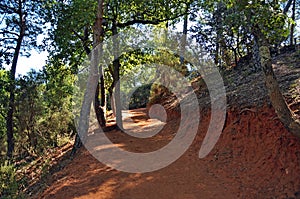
8	183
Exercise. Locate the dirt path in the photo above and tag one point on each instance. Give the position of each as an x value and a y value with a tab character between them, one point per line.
249	161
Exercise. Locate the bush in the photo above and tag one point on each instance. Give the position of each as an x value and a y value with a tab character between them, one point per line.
8	183
140	97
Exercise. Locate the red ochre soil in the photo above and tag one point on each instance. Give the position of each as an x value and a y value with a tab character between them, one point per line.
255	157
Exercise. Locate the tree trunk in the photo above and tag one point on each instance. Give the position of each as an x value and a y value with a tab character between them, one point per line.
287	7
216	58
93	79
284	113
102	90
112	102
98	39
116	76
11	104
293	25
255	56
184	69
218	16
98	108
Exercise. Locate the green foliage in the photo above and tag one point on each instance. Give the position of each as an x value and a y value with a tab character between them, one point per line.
29	106
58	119
43	109
158	94
225	27
140	97
71	31
12	13
137	75
3	107
8	183
267	16
72	21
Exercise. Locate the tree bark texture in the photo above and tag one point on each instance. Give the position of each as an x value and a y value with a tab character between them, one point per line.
11	104
116	77
93	79
284	113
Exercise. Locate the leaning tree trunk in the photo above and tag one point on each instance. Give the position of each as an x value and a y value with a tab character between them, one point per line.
11	103
283	111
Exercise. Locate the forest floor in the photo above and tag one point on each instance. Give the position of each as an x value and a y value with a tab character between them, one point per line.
255	156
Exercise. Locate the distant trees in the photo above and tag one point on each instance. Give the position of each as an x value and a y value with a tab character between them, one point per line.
223	31
235	26
20	24
293	6
35	107
43	115
4	96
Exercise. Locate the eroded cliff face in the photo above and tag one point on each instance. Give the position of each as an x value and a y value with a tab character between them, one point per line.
256	152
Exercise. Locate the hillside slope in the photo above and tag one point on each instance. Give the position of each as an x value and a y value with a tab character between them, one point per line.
255	156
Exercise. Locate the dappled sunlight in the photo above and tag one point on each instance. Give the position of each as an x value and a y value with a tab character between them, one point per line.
106	188
103	147
139	125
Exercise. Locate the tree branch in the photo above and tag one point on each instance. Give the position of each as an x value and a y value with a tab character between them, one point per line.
7	9
8	38
84	41
9	32
77	35
287	7
142	21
